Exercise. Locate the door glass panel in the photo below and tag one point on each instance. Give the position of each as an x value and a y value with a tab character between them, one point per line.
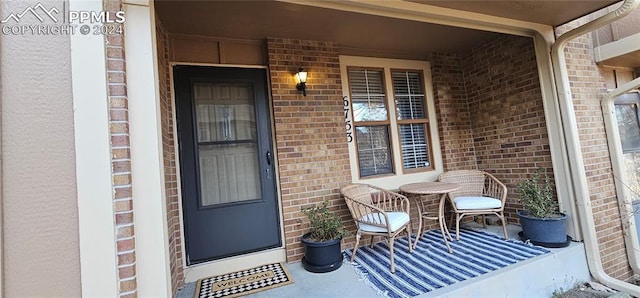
227	143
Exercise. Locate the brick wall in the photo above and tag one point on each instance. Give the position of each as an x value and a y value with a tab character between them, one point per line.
121	159
505	105
452	108
495	84
313	157
169	160
588	85
490	112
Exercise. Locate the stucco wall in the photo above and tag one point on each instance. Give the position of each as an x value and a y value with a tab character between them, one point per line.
40	224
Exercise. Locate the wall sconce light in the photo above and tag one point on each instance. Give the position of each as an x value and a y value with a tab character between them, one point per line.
301	80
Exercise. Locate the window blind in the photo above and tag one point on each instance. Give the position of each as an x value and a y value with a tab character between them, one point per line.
374	152
409	95
415	150
369	103
412	122
367	95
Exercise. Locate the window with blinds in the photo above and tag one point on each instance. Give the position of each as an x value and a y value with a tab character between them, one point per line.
375	127
408	91
390	121
371	121
367	95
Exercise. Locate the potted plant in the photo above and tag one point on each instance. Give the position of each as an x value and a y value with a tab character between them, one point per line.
542	223
322	243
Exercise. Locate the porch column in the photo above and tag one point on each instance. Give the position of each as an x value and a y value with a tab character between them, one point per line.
98	263
557	143
147	170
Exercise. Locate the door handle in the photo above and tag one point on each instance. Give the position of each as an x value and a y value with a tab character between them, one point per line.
268	157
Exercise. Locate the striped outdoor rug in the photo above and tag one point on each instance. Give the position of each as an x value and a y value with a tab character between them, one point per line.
431	266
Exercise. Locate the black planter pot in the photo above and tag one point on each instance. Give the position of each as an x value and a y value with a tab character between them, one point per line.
320	257
547	232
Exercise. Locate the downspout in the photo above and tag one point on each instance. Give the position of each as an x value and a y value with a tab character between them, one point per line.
629	225
576	164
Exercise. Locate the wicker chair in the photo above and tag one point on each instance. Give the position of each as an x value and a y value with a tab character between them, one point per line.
378	212
480	193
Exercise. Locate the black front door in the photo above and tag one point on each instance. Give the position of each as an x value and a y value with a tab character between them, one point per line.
226	162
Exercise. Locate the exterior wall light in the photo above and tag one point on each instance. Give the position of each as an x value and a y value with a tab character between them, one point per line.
301	80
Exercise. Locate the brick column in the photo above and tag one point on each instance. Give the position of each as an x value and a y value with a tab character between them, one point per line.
121	158
168	151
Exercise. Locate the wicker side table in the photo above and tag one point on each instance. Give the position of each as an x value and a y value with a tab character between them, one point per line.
416	191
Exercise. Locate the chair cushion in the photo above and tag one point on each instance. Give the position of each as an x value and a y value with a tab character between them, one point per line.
477	203
396	221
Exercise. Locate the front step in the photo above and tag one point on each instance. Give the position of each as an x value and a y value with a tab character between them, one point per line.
536	277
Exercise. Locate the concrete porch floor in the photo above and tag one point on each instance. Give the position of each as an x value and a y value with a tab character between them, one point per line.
536	277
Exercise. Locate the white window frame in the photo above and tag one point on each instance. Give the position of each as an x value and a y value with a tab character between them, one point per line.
399	177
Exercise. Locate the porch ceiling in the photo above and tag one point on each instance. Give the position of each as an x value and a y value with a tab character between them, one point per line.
355	32
546	12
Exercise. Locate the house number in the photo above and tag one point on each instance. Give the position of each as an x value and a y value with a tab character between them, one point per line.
347	110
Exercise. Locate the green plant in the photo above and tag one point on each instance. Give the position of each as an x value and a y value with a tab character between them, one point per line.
536	195
325	224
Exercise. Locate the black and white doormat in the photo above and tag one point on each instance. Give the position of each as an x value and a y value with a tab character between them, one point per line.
244	282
